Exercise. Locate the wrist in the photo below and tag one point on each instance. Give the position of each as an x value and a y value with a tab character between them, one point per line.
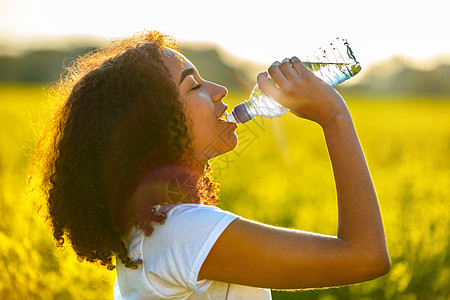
338	120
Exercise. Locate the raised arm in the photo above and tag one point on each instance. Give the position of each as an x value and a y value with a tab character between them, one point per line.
255	254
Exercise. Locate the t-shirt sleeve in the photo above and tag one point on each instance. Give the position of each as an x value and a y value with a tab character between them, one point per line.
177	249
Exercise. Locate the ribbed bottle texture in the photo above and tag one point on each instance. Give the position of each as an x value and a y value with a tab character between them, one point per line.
333	63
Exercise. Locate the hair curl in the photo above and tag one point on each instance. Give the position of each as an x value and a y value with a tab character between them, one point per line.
117	118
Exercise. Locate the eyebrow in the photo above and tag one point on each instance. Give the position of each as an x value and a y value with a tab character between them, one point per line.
185	73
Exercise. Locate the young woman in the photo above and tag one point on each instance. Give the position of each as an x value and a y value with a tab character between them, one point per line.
125	174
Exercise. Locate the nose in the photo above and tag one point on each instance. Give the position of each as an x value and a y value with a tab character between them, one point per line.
218	92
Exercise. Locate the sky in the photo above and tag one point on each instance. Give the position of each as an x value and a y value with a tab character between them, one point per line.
260	31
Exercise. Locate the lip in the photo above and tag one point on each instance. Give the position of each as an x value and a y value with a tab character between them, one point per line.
231	125
217	117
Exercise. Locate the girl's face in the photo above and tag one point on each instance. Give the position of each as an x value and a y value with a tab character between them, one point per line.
204	106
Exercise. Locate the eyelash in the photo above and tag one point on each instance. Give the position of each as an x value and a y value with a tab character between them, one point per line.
198	86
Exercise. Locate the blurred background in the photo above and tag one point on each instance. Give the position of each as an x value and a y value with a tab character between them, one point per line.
280	172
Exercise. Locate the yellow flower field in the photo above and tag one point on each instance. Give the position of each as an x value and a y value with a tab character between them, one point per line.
280	174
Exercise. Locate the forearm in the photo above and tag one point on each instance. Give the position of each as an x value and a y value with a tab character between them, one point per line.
250	253
360	223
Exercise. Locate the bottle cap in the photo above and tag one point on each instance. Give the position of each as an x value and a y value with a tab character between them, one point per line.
239	114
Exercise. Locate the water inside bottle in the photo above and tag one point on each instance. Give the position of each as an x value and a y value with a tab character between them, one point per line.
335	72
353	69
260	104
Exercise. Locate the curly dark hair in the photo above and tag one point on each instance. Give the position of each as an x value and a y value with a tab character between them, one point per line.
118	125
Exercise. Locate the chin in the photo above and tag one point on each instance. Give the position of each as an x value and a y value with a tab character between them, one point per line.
227	145
231	142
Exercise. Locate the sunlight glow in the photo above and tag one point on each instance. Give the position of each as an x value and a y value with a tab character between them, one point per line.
261	31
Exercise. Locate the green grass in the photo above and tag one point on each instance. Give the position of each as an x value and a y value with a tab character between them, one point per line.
280	174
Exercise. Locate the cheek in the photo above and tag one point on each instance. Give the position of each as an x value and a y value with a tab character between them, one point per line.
202	120
199	114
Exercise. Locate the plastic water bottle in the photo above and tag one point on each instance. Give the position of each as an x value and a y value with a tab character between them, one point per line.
334	63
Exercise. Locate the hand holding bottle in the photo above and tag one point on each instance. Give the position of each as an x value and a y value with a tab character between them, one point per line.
295	87
333	63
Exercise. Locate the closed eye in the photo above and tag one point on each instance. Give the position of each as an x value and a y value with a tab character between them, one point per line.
198	86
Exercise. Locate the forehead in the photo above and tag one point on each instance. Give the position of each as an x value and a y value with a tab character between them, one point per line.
176	62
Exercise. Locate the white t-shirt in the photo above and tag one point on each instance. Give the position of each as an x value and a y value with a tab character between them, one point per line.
173	255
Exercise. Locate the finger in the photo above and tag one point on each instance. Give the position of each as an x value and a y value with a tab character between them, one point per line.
298	65
277	75
267	86
287	69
